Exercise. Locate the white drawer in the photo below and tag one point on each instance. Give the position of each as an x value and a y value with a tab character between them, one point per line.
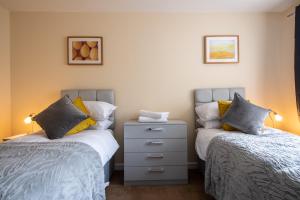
154	145
155	131
155	173
155	159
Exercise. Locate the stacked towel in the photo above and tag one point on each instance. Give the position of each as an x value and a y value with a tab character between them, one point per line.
149	116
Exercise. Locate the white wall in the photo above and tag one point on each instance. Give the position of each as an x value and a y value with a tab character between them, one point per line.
5	94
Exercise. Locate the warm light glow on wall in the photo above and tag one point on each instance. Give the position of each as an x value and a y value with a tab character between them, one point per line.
28	120
278	118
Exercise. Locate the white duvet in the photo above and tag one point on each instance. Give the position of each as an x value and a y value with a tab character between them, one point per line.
101	141
204	136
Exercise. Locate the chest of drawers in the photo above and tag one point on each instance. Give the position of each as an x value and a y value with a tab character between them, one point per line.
155	153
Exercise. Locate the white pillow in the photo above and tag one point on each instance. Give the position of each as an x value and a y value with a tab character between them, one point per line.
99	110
208	111
210	124
102	125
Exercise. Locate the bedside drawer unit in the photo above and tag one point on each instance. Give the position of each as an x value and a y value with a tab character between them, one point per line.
155	153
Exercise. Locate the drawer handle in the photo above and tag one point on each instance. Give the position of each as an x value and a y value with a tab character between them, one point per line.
155	142
155	156
155	129
156	170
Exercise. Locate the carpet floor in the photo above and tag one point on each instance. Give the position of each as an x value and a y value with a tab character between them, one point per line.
192	191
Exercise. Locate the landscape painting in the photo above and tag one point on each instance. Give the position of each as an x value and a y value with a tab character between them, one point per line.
221	49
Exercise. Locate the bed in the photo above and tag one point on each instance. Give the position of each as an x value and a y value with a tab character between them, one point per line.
242	166
74	167
97	95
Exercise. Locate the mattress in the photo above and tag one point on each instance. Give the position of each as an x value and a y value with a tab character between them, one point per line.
204	136
102	141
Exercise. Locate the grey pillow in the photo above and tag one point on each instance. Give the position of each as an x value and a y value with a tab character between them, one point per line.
59	118
245	116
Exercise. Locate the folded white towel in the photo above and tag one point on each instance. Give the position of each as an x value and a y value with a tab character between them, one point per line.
151	120
154	115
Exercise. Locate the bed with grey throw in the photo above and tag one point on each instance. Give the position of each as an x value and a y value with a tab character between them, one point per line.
254	167
50	171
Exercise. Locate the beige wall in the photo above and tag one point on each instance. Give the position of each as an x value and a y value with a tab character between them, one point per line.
283	95
152	61
5	100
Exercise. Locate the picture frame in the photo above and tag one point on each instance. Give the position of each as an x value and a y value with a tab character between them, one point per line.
85	50
221	49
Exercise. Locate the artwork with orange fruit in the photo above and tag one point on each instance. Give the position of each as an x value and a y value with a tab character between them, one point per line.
85	50
221	49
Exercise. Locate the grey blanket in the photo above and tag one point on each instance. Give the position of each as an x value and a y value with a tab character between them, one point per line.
254	167
52	170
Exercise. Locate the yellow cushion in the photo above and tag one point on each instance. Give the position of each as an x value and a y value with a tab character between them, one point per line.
83	124
80	105
223	107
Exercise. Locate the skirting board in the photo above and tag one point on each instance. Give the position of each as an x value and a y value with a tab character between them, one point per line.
191	165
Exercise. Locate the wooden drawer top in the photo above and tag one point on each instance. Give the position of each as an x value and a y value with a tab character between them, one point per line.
170	122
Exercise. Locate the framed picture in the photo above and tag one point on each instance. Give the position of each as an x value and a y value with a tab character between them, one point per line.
221	49
85	50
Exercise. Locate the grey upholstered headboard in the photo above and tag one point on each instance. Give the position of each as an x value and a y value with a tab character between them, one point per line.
93	95
207	95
